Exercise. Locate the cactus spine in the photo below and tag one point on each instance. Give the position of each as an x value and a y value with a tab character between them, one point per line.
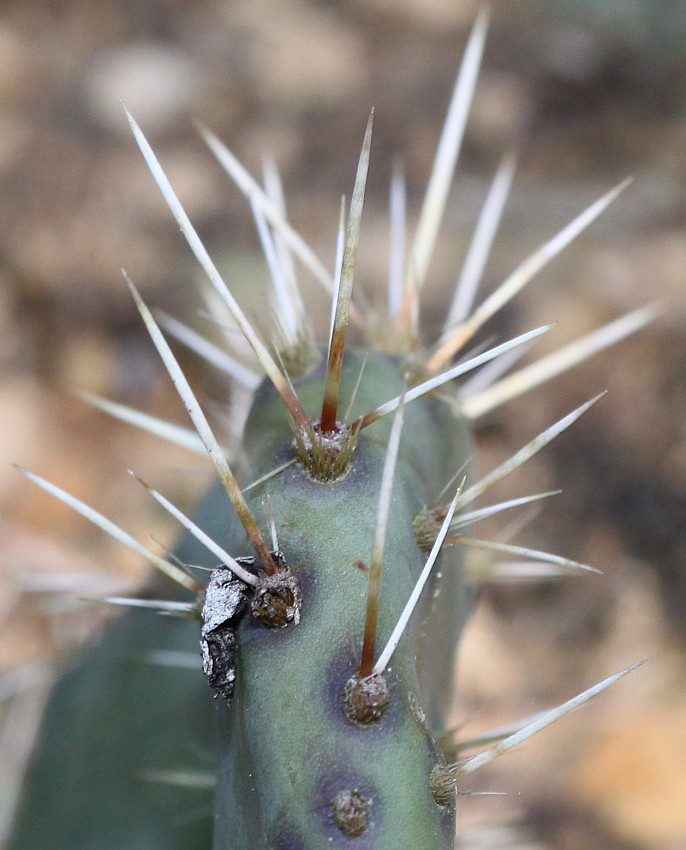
330	685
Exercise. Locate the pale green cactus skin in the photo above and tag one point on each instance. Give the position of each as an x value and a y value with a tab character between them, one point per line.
286	747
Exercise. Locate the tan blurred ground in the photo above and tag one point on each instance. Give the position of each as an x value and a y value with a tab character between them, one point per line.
585	101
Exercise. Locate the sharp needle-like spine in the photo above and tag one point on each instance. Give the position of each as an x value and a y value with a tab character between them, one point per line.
182	778
224	557
491	372
517	525
252	189
286	311
344	295
179	659
446	156
163	606
448	375
401	625
559	361
175	573
274	190
509	572
470	517
480	247
215	278
379	545
526	452
397	227
272	526
496	734
205	433
533	554
353	394
338	265
169	431
271	474
545	719
460	335
210	352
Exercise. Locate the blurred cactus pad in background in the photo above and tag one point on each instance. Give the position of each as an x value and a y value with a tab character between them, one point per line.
394	443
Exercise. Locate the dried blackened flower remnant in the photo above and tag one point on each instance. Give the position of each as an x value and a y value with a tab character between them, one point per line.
225	600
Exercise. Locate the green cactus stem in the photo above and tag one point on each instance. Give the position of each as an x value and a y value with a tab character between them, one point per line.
330	651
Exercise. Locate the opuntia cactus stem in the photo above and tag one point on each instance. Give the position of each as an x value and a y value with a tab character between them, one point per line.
330	653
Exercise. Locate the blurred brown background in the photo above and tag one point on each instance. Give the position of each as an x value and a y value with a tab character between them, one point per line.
586	93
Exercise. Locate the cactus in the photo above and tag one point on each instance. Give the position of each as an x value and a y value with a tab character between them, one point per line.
330	687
